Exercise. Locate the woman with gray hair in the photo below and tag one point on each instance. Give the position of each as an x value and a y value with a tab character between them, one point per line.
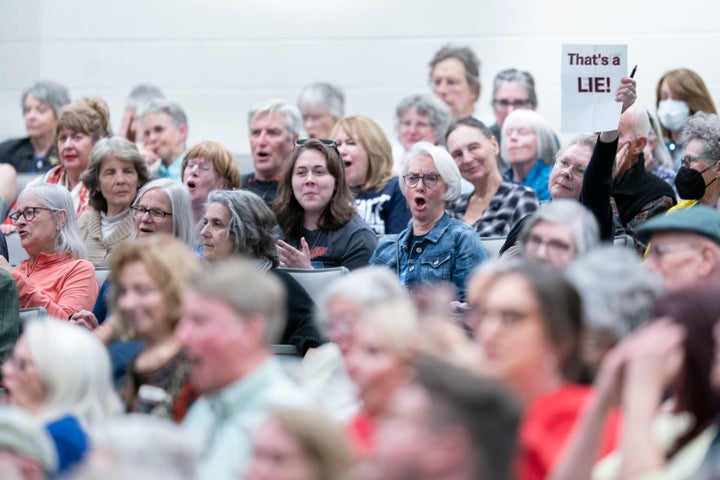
40	105
115	173
697	179
529	148
238	222
164	206
435	247
321	105
56	275
617	292
61	375
559	232
512	89
422	117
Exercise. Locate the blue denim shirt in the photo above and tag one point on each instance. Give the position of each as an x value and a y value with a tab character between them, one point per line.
449	252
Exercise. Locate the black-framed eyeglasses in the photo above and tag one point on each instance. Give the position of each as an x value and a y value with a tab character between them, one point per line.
429	179
690	159
155	213
325	141
28	214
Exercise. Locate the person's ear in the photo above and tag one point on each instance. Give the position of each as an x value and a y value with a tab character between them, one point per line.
61	219
639	145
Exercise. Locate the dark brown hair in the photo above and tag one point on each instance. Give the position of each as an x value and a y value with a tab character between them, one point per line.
338	212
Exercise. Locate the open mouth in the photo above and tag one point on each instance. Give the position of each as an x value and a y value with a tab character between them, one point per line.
420	202
348	163
191	184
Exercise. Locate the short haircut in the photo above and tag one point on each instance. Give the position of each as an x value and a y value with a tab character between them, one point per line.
546	145
57	198
289	112
321	439
182	220
115	147
396	321
445	164
251	223
704	127
639	122
376	145
142	95
324	95
222	160
588	141
523	78
169	108
48	92
248	291
338	212
481	406
437	111
74	367
564	211
24	435
365	287
466	56
168	261
90	116
617	290
471	122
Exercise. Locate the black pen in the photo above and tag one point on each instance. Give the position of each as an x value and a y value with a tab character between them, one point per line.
632	74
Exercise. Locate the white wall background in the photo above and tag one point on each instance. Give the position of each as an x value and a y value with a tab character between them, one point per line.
218	58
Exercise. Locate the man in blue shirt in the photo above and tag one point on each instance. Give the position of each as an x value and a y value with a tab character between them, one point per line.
164	133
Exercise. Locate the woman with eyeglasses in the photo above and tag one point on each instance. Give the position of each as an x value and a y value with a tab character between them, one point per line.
435	247
421	117
314	208
115	173
527	319
495	204
367	155
208	166
164	206
56	275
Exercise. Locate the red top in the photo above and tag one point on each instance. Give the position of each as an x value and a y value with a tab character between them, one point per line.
546	426
361	431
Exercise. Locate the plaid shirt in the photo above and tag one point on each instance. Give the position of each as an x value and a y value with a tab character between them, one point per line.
649	210
9	314
510	203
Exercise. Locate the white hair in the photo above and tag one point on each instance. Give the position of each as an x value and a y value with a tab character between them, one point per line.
445	164
74	367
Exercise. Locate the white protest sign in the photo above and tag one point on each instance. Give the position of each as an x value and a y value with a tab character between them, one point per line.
590	77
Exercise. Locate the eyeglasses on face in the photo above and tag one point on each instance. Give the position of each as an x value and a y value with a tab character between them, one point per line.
155	213
202	166
505	104
659	250
429	179
325	141
688	160
557	247
28	214
564	164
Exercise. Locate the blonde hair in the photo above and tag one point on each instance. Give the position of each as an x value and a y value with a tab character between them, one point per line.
375	144
168	262
322	441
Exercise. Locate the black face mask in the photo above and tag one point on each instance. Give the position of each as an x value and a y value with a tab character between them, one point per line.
690	183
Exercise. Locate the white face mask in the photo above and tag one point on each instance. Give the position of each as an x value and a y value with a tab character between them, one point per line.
673	113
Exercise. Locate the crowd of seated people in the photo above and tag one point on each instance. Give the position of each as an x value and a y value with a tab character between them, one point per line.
174	311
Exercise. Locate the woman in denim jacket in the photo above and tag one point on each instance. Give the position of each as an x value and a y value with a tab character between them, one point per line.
435	248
